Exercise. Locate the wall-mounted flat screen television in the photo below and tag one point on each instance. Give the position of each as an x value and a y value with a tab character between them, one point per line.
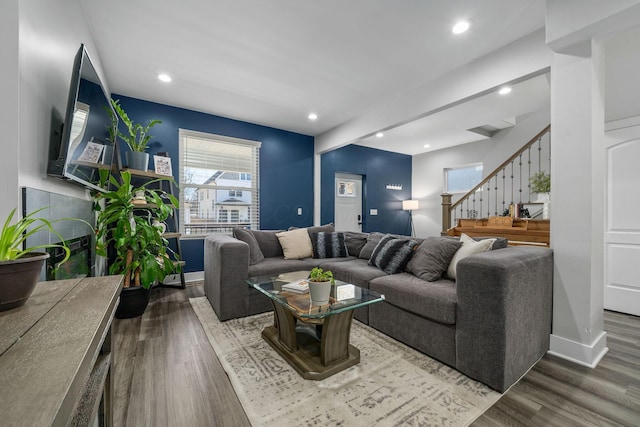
85	152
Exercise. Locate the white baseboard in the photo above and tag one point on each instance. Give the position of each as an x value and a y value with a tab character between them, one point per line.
193	276
582	354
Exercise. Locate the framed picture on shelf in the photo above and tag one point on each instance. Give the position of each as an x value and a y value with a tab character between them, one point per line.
345	188
162	165
91	152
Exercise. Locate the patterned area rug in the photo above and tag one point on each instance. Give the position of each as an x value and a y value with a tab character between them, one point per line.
393	385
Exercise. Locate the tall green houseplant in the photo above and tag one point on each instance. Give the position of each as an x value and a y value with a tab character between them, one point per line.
137	136
139	251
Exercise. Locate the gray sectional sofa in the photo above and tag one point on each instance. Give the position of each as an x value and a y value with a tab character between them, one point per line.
491	323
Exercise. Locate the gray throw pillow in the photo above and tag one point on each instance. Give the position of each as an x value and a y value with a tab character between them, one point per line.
391	255
255	254
328	245
372	241
268	242
355	241
432	258
327	228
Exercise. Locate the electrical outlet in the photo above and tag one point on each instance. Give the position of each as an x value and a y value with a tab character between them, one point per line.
373	212
299	211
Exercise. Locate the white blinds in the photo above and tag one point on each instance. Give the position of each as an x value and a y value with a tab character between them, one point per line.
219	179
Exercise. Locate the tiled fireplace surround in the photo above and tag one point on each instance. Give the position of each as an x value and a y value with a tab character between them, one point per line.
78	236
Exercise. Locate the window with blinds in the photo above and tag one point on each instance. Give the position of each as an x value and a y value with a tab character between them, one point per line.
219	179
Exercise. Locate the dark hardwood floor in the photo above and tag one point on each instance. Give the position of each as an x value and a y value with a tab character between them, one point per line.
166	374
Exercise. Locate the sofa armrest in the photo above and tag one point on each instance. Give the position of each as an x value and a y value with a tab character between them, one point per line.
503	319
226	265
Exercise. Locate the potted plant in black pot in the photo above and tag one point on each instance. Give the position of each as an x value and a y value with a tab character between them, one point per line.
20	268
137	138
134	246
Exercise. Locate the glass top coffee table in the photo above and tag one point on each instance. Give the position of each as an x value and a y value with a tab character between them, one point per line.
313	339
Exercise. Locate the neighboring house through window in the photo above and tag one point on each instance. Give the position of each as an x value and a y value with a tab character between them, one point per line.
219	179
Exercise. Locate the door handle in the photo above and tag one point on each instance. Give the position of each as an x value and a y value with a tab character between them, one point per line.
359	219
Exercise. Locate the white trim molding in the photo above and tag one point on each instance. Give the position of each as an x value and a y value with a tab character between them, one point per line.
582	354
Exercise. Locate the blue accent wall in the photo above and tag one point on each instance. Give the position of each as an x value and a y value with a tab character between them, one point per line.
378	169
286	163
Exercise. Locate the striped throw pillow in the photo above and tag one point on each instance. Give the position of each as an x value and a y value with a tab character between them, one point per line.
328	245
391	255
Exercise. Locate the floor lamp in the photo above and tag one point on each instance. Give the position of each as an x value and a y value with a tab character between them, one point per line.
410	205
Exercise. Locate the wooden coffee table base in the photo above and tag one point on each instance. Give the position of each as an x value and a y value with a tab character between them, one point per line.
313	359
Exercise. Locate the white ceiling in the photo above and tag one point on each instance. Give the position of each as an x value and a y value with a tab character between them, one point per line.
274	62
452	126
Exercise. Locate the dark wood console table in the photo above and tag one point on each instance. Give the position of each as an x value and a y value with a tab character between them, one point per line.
55	354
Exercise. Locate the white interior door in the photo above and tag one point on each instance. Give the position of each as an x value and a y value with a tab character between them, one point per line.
622	234
348	202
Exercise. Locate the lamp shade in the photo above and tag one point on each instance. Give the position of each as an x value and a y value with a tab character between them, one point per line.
410	205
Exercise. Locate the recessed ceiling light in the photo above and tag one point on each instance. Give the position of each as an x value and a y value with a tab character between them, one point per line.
313	116
461	27
164	77
427	146
504	90
379	134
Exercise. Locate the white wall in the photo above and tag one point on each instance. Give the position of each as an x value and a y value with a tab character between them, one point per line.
9	107
518	60
428	178
50	33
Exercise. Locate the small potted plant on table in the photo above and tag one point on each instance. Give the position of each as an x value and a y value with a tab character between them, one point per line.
320	282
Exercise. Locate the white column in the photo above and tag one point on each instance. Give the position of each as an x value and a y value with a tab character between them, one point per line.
577	204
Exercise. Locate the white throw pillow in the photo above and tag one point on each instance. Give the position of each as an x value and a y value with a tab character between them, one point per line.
296	244
469	247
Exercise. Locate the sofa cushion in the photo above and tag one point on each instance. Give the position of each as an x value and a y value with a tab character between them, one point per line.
296	244
356	271
355	241
327	228
268	242
469	247
391	255
372	241
432	258
328	245
255	254
433	300
277	265
320	262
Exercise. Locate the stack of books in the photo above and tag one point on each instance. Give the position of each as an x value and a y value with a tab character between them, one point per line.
297	287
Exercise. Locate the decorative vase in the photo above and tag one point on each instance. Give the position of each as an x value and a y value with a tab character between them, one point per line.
133	302
545	209
546	202
319	292
137	160
18	278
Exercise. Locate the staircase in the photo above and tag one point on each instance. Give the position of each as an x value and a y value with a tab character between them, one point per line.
502	204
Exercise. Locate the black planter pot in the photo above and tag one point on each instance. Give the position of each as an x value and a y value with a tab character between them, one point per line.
18	278
133	302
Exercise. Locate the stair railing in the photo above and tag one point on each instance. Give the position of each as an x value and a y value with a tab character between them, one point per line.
508	185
